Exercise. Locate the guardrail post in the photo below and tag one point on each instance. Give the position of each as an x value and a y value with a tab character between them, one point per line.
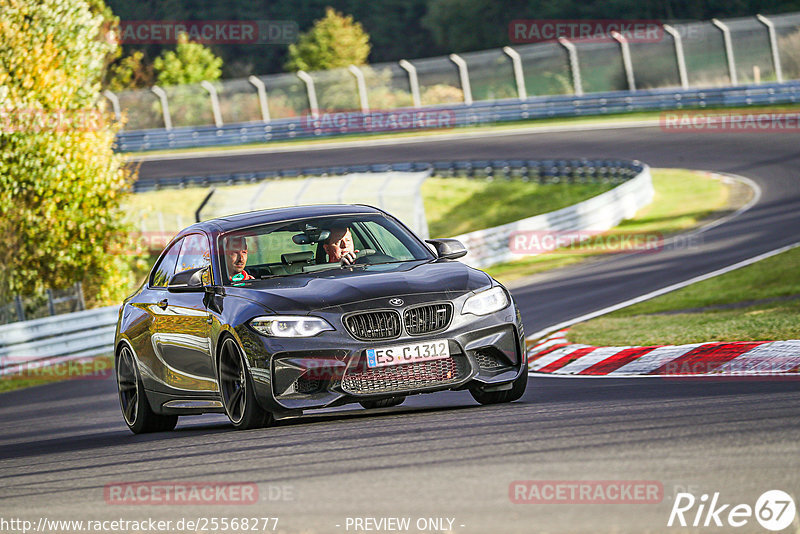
679	56
574	65
51	307
114	104
413	81
162	96
361	83
262	97
212	92
626	59
463	74
773	45
312	92
516	61
79	296
726	39
20	309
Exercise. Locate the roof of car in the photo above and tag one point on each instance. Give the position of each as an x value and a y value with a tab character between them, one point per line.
250	218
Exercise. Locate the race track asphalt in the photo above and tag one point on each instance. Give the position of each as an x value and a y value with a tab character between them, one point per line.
442	455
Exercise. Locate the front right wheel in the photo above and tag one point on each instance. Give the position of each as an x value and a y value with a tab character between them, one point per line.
236	387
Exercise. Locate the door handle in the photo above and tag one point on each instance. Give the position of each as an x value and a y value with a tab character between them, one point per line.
210	320
163	304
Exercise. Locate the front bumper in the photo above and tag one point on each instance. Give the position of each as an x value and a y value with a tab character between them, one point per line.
292	375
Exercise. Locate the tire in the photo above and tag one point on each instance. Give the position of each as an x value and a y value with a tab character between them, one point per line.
509	395
382	403
136	411
236	388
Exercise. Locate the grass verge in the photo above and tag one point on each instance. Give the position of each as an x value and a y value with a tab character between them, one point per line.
683	199
755	303
100	368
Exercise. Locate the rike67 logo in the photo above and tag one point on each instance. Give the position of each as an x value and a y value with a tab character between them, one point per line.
774	510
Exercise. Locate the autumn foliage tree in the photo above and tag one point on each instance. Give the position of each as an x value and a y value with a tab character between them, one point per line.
60	181
334	41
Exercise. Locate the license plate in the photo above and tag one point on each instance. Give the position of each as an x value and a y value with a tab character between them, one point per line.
415	352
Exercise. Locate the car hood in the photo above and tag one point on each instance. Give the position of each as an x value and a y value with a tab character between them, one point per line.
340	287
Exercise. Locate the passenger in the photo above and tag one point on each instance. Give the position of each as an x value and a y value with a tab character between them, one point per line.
236	258
339	246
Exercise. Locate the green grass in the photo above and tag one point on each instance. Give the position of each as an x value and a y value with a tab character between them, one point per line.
757	302
456	206
98	368
488	128
682	200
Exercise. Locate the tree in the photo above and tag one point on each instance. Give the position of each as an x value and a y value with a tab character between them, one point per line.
131	72
188	63
60	181
334	41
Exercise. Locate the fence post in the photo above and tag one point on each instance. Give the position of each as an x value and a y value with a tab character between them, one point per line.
626	59
312	92
79	294
463	74
114	104
726	39
413	81
162	96
262	96
362	87
574	65
212	92
19	307
679	57
773	45
51	307
519	77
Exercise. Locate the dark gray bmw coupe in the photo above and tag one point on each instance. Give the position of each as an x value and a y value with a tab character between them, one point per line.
266	314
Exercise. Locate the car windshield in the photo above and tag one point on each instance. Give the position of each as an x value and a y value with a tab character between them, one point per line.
308	245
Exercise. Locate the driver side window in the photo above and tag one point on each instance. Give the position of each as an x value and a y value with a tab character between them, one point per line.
164	270
195	253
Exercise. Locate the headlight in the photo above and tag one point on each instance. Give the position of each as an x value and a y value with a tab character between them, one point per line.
486	302
289	326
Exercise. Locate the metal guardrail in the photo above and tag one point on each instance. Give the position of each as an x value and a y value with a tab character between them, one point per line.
462	115
82	334
541	171
492	245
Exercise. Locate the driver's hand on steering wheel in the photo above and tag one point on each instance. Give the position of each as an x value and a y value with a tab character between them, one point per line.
349	258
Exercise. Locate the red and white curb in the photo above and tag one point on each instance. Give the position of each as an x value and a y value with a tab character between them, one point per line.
557	356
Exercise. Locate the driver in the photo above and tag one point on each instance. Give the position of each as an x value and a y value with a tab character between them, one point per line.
236	258
339	246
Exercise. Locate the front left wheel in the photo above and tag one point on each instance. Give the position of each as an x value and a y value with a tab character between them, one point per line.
509	395
136	411
236	387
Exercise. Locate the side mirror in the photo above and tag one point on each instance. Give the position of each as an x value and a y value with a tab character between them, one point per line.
187	281
449	249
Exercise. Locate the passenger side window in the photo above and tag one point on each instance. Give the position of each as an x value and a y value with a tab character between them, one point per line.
164	270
